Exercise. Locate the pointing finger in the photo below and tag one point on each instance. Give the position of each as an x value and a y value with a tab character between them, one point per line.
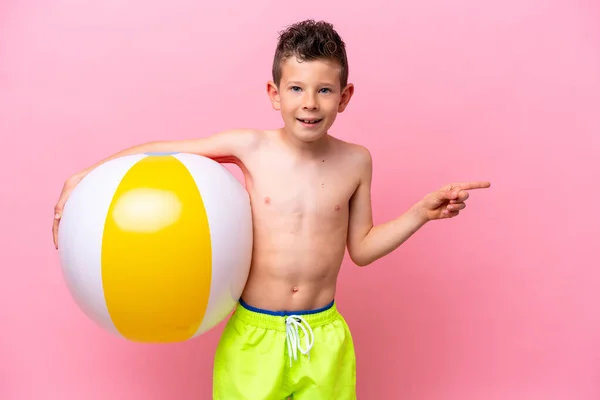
472	185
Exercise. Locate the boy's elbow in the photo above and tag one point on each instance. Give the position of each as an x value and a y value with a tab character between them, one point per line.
362	263
359	247
358	258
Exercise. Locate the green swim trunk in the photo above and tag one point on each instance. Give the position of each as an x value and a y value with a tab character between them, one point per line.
266	355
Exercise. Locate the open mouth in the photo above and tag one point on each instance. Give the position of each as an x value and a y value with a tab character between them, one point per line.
309	121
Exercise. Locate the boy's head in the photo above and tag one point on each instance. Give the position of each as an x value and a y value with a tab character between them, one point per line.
310	79
310	40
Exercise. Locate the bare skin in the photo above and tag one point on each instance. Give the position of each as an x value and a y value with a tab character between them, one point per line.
310	192
300	211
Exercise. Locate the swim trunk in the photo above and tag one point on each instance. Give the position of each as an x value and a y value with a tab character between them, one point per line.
267	355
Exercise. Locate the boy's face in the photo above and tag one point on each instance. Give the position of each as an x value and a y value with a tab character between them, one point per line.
309	97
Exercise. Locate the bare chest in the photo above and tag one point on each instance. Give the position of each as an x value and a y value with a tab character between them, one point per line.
316	193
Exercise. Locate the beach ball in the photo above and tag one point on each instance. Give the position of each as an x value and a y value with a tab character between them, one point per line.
156	248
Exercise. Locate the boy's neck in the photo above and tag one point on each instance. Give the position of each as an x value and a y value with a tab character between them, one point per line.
308	150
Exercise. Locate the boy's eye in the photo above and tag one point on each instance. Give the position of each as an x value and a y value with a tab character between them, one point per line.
298	88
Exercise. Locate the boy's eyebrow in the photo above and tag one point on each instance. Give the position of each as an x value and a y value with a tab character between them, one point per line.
324	83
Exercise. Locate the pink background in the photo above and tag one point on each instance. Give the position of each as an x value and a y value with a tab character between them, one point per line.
500	303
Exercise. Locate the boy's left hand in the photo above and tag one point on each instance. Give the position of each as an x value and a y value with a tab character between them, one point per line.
448	201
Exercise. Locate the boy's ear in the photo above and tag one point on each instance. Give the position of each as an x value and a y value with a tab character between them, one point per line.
346	96
273	93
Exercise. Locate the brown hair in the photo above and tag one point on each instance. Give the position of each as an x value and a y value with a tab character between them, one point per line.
310	40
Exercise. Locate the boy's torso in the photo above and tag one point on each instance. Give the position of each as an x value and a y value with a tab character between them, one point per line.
300	209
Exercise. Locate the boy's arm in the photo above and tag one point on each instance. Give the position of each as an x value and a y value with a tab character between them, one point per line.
225	147
366	242
228	146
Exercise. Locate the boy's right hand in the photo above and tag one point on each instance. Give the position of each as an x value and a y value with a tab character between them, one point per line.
58	208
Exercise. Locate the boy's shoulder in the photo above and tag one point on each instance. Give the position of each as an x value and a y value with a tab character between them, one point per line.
252	135
354	151
242	138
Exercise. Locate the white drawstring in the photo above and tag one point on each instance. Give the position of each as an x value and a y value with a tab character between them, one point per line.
292	323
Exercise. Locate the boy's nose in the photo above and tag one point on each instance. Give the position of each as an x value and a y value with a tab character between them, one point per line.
310	103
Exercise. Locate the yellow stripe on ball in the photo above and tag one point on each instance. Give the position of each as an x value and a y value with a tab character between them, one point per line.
156	272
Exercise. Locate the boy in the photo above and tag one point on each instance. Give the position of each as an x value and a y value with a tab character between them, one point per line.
310	195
